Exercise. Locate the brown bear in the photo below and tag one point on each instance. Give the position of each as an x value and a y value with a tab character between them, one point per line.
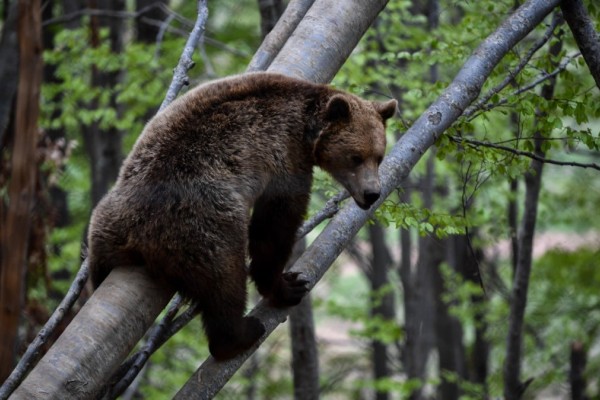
225	172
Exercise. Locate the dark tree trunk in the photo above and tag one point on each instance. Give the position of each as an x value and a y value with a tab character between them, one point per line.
270	11
577	371
384	304
449	333
585	35
104	146
305	354
419	291
15	232
145	32
9	70
513	387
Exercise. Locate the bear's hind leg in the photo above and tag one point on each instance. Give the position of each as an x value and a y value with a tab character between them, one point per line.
229	332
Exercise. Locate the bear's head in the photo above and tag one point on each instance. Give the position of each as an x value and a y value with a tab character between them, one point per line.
351	144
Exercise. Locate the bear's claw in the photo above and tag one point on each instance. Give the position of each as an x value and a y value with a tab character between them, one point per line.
290	290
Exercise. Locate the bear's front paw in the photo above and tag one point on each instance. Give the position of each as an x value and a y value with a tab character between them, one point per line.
289	290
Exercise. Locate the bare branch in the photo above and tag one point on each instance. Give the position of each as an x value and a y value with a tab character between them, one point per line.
512	150
584	33
331	207
180	77
103	13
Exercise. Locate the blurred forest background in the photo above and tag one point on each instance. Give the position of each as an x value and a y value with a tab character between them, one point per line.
419	305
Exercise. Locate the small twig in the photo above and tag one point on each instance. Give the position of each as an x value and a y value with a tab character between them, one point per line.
477	143
32	354
329	210
103	13
161	34
180	77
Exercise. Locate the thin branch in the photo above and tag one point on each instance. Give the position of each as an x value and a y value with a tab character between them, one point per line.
104	13
163	25
180	77
533	156
33	352
331	207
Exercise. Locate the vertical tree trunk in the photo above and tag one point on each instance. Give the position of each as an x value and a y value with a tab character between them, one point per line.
15	233
270	12
9	70
147	33
305	355
449	331
420	307
577	371
384	305
513	388
104	146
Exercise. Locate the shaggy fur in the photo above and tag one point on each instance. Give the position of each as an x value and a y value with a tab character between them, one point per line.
224	171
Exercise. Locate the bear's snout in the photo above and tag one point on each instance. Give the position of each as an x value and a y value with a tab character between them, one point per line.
371	196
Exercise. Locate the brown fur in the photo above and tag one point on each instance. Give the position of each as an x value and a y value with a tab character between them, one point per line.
226	170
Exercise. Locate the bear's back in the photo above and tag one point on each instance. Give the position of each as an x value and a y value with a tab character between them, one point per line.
227	127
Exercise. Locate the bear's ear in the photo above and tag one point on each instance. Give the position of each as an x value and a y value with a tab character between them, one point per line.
337	109
387	109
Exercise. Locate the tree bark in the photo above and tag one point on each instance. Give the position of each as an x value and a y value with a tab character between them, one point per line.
577	371
270	11
274	41
98	339
15	232
305	355
9	68
584	33
513	387
147	33
104	146
384	303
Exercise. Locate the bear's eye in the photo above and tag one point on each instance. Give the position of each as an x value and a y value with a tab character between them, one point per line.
356	160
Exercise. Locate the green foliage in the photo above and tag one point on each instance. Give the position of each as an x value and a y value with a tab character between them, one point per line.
408	216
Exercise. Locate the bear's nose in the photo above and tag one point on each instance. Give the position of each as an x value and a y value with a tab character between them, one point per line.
371	196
